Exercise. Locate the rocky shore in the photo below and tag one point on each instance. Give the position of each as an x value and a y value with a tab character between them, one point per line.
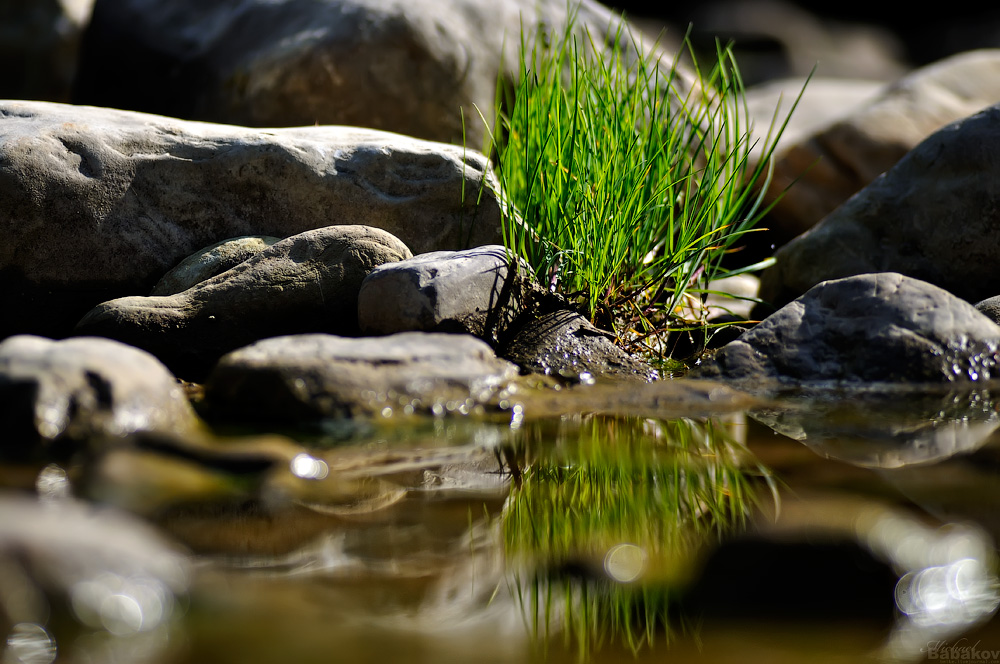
240	256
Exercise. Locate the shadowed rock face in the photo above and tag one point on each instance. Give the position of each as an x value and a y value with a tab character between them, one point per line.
100	203
872	327
564	343
424	68
825	166
306	283
934	216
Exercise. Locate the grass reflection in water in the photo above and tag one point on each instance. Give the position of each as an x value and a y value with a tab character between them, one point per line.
603	525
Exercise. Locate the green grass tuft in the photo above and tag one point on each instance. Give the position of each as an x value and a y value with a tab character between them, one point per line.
626	180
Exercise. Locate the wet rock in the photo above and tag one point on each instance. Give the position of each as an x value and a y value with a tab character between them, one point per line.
871	327
472	291
210	261
72	390
934	216
565	344
849	153
100	203
106	569
305	283
418	67
312	376
990	307
39	41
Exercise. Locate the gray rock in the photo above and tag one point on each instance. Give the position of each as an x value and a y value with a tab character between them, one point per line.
211	261
105	568
842	157
775	39
423	68
78	388
100	203
471	291
990	307
319	375
871	327
305	283
935	216
39	42
565	344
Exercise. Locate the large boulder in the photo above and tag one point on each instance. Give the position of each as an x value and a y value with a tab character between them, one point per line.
844	155
935	216
100	203
53	392
312	376
871	327
424	68
305	283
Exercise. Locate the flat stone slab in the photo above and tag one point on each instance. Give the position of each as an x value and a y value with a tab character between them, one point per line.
101	203
311	376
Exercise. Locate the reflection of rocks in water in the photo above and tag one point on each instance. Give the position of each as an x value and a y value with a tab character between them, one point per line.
114	577
961	488
836	560
268	495
885	427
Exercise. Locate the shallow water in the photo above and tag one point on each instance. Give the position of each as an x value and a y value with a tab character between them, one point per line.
836	526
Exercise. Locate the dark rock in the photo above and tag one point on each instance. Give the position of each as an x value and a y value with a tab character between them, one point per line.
100	203
72	390
838	159
990	307
565	344
934	216
872	327
305	283
39	41
295	378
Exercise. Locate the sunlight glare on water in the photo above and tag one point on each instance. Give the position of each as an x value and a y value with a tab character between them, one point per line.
309	467
29	643
121	605
625	563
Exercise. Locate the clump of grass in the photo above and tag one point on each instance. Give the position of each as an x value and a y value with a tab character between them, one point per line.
626	180
661	487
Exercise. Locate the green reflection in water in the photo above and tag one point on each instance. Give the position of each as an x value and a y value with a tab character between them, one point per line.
607	515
